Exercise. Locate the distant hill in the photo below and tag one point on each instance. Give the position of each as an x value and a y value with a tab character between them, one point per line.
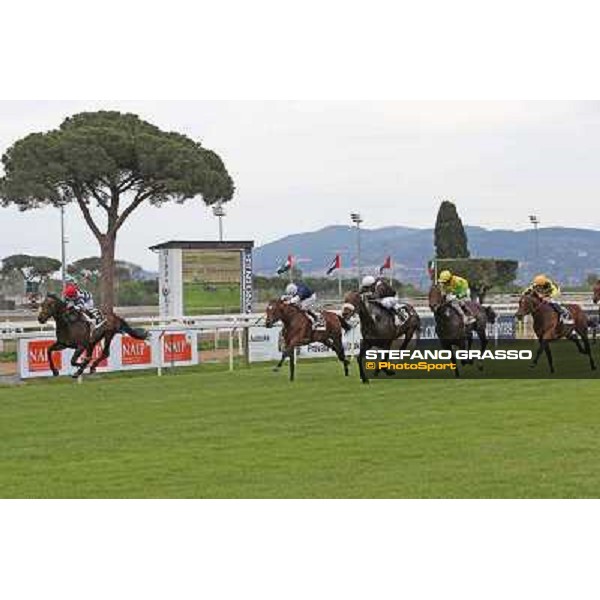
568	254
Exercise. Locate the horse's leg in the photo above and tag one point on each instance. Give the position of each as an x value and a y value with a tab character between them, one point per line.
408	335
361	355
549	355
84	363
280	363
587	348
538	353
483	340
54	348
105	351
454	360
292	355
335	343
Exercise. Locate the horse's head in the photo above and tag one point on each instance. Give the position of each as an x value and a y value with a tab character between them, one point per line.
597	292
528	303
351	303
435	297
50	307
274	312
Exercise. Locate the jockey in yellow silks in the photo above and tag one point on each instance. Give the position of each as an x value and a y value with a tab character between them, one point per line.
548	290
456	291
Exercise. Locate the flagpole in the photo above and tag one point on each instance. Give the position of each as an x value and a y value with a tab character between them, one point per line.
340	283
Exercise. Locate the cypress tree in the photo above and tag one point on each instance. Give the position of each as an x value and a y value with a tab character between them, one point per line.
450	238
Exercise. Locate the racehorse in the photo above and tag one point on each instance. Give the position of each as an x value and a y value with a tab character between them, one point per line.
72	331
596	291
378	326
450	326
298	331
548	327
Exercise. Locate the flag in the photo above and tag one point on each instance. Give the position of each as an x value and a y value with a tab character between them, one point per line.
386	265
286	266
431	269
336	263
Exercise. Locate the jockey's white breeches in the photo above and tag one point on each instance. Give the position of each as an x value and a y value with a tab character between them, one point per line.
391	302
308	302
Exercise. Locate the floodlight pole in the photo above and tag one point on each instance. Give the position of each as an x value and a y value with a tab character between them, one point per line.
533	219
219	212
357	220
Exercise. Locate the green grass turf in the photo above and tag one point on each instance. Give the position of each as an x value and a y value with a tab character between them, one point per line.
206	433
197	300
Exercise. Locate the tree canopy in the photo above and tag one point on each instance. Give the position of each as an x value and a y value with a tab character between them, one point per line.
31	268
91	268
113	161
450	237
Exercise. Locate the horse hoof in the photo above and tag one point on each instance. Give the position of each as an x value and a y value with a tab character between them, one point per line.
532	366
55	373
366	381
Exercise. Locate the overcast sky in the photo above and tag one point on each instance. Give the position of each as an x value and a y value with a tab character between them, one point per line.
300	166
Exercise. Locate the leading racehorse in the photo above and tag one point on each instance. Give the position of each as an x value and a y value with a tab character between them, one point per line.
298	331
548	327
450	326
72	331
378	326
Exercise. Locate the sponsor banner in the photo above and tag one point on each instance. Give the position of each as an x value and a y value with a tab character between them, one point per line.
264	343
180	348
505	327
126	353
265	346
136	353
33	358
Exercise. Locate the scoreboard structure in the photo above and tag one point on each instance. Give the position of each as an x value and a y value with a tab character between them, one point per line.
198	277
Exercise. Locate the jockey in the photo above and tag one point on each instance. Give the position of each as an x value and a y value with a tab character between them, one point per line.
82	302
456	291
301	296
547	289
379	289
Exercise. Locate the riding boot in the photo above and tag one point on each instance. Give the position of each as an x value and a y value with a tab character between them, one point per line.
565	315
316	318
468	318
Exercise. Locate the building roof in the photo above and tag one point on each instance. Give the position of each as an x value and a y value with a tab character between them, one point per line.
201	245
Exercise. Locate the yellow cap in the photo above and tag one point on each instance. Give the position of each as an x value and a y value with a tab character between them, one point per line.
445	276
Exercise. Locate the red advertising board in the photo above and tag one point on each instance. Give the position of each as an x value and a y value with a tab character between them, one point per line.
37	356
135	352
96	352
177	347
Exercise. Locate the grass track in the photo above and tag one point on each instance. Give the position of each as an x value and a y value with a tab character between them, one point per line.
209	434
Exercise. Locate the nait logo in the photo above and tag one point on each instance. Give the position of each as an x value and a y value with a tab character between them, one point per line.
135	352
37	356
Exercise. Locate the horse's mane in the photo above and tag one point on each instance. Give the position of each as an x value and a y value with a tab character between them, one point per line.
53	296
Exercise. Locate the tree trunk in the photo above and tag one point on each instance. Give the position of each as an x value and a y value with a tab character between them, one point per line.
107	271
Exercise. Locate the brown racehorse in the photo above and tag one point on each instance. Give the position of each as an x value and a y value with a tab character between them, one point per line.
298	331
378	327
596	291
72	331
450	327
547	326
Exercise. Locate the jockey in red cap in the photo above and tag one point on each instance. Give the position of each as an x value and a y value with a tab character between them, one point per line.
81	300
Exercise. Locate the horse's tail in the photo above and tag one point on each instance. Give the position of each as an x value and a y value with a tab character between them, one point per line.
137	333
490	314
